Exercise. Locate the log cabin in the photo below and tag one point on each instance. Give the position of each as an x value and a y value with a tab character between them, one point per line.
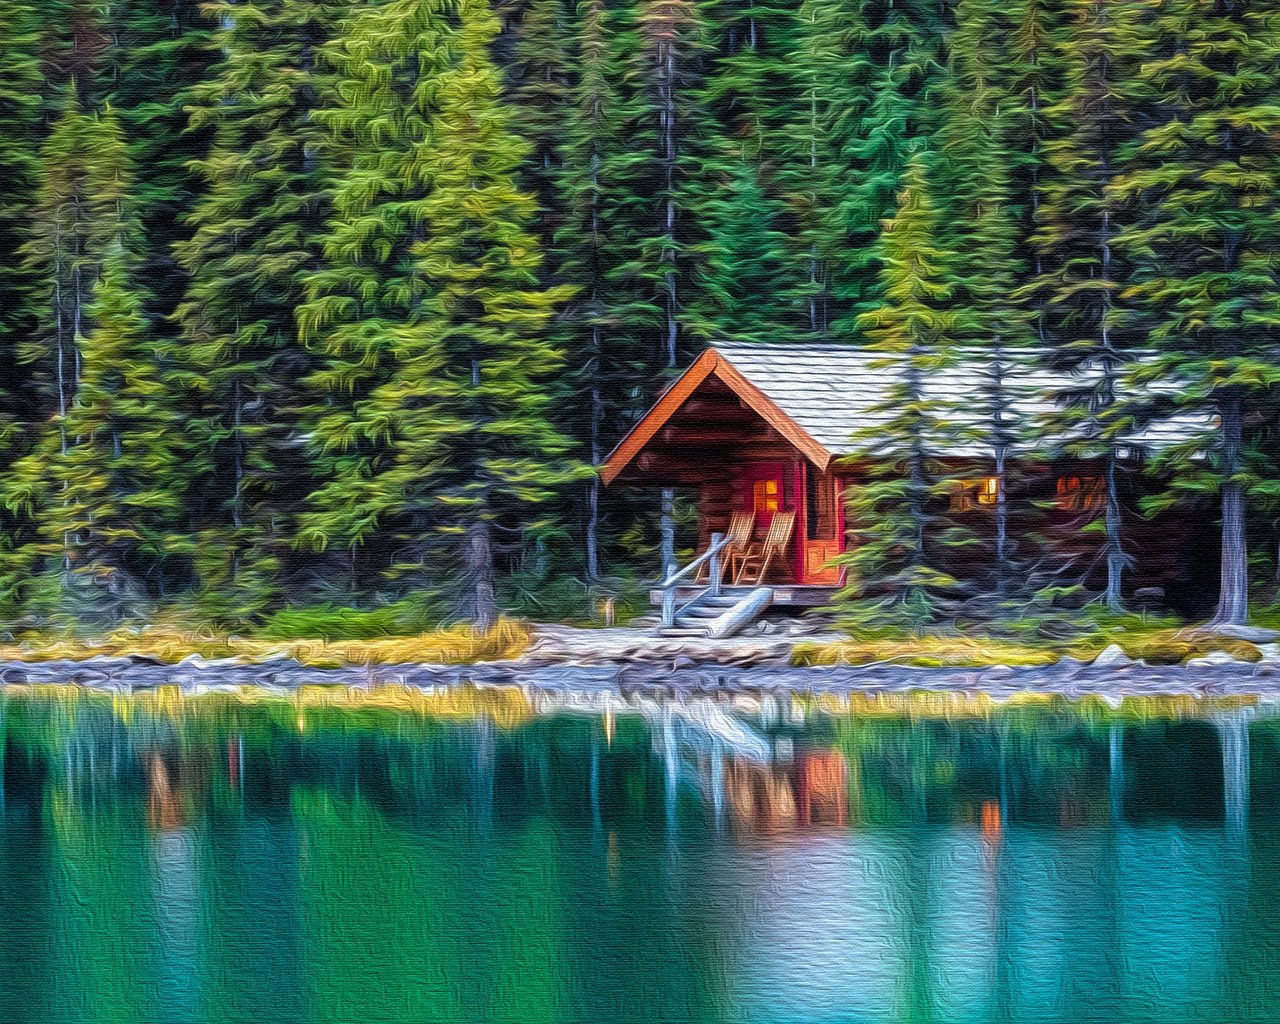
769	430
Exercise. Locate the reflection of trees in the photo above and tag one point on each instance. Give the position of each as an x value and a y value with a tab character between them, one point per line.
1048	762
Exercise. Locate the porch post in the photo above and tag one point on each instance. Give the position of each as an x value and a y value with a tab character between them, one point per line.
668	528
667	524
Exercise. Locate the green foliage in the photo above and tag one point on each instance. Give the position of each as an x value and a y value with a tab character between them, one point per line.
407	617
1204	176
436	357
253	237
104	481
896	567
311	302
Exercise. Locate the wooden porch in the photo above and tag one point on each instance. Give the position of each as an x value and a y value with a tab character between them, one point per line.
788	595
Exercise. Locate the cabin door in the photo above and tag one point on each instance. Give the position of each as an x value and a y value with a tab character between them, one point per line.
820	539
763	492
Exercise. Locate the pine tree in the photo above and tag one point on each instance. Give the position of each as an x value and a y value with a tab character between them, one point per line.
79	212
450	431
1038	83
1078	290
1206	178
670	66
252	239
901	539
984	228
744	286
539	99
606	329
734	188
21	115
160	52
866	72
104	482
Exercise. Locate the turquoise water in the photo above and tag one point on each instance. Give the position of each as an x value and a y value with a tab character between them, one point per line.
1056	864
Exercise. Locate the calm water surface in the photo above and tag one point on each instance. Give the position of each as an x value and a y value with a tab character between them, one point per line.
214	861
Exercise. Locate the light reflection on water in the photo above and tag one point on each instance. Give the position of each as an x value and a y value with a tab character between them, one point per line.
235	863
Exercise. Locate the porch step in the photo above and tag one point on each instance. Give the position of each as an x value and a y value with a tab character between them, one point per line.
723	615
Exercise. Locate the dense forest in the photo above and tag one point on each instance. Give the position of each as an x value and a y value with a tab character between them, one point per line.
310	301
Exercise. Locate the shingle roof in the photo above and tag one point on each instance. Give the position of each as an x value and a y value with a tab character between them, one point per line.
832	391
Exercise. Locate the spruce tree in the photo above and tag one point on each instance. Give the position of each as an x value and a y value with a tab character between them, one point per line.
864	78
539	98
669	64
253	238
606	328
897	564
984	229
104	482
445	426
80	210
160	52
744	285
1205	179
21	112
1091	341
1038	83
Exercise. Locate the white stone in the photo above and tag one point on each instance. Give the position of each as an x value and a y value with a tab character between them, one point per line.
1113	655
1270	652
1212	658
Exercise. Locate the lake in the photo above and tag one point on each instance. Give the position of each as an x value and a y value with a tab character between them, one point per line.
341	858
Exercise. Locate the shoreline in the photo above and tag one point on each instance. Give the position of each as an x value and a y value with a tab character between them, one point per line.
673	674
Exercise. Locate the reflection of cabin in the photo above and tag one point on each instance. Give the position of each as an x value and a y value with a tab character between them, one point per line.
762	430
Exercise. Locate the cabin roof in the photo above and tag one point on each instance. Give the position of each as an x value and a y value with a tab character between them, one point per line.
820	396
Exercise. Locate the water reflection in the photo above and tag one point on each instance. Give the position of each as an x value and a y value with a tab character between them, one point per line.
772	861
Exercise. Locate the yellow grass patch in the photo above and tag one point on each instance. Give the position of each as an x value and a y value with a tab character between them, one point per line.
457	645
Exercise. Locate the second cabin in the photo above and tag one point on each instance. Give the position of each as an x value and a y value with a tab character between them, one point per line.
762	437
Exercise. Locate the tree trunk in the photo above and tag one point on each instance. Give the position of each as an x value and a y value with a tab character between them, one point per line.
484	602
1002	526
1233	597
1115	550
593	487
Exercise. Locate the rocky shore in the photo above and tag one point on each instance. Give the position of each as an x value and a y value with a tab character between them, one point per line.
564	662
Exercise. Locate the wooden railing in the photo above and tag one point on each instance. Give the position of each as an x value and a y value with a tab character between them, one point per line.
669	611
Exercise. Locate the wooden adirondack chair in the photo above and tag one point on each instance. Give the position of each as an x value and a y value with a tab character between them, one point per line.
739	533
754	562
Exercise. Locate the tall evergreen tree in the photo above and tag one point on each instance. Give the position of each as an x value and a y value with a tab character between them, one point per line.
1206	179
744	283
893	513
979	150
450	431
160	52
253	237
79	211
606	329
866	71
105	483
1081	275
21	111
1038	83
539	95
669	64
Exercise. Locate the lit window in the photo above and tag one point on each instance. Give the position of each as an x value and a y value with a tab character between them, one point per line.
988	490
1081	493
765	497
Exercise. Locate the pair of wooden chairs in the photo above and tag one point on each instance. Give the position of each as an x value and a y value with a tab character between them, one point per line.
746	560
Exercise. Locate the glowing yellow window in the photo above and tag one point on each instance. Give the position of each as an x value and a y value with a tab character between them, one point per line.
988	490
765	497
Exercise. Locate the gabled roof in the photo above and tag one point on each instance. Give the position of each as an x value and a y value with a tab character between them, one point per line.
820	396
